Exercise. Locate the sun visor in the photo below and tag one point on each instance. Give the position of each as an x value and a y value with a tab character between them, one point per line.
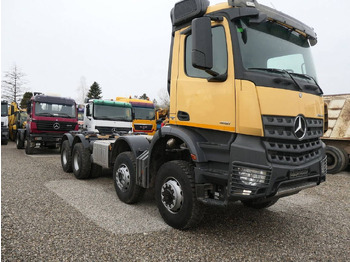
187	10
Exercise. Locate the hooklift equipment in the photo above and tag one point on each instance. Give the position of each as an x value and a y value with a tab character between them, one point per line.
255	63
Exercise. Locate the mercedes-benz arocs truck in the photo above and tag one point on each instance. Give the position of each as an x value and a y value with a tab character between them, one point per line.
255	63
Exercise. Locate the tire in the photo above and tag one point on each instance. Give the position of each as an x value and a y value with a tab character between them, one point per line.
29	150
81	163
19	141
258	203
66	157
336	161
175	195
346	159
124	177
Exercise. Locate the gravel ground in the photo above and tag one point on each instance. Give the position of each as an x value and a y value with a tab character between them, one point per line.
48	215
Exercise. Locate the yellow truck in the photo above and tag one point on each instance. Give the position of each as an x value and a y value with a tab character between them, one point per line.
17	120
144	120
245	122
337	136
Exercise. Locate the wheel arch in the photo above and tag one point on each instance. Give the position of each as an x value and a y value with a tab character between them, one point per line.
160	143
136	144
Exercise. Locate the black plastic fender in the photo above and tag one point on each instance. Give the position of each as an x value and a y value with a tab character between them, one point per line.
80	138
191	138
134	143
69	137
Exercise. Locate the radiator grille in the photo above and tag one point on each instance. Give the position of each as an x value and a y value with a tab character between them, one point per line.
55	126
141	127
283	147
111	129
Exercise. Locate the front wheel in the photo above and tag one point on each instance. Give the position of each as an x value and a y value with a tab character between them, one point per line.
29	149
175	195
19	141
124	177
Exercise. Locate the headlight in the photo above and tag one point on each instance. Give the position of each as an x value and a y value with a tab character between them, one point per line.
252	177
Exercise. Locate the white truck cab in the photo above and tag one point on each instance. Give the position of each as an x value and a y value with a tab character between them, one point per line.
107	117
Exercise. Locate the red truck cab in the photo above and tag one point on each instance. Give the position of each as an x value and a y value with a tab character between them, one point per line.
49	117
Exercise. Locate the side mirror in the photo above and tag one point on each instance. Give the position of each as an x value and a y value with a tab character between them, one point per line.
202	43
88	110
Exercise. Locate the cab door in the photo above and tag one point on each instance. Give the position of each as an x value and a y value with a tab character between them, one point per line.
201	102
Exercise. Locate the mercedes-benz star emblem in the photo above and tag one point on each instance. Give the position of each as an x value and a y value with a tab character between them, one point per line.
56	126
114	130
300	127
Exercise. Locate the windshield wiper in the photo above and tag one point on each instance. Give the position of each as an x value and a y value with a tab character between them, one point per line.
306	76
281	71
45	114
65	115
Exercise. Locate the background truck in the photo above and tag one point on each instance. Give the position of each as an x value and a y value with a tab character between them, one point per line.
17	120
144	115
107	117
49	117
4	122
254	62
337	137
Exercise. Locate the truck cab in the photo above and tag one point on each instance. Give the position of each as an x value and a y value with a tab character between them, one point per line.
107	117
144	115
49	117
4	122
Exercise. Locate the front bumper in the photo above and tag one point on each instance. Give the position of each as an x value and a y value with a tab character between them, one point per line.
252	176
45	139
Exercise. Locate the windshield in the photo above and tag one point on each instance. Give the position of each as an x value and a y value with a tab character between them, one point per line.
107	112
270	45
4	109
57	110
144	113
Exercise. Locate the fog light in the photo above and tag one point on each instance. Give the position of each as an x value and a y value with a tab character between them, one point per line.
252	177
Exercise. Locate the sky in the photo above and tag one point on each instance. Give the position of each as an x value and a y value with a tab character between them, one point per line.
124	46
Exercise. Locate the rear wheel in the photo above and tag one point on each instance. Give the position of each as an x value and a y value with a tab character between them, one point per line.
259	203
336	161
175	195
81	163
66	157
124	177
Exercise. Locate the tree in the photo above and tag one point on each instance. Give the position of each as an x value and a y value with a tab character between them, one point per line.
82	90
95	91
164	98
144	97
26	97
12	87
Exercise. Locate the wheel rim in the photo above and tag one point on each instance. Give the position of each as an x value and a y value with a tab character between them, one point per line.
64	157
172	195
76	161
122	177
